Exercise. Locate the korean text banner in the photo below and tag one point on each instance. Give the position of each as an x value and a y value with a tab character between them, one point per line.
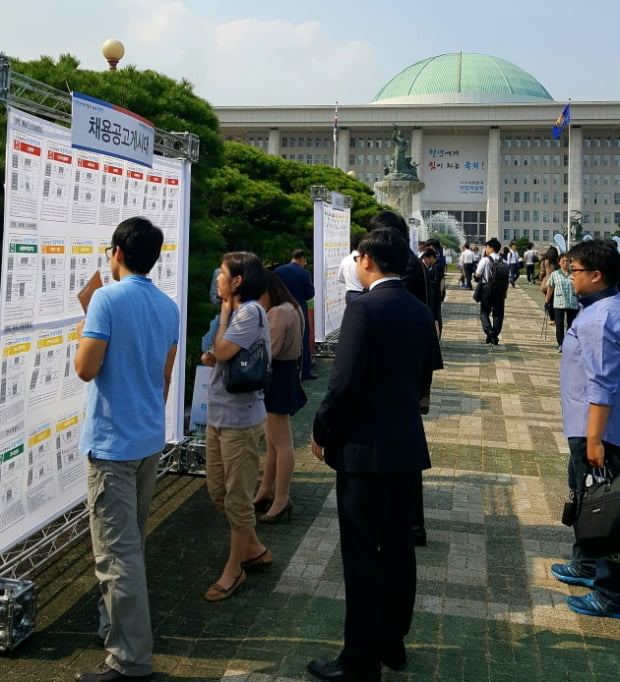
105	128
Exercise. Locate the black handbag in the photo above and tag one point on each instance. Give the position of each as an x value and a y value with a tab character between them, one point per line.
478	292
594	513
249	370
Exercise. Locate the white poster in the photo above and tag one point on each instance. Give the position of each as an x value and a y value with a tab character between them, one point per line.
61	208
455	169
332	228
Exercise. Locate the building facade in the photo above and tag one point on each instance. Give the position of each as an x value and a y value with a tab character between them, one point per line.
480	130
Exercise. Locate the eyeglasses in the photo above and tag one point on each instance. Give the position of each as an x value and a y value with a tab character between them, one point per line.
109	251
580	270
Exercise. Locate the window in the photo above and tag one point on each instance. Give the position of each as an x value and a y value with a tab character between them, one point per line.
545	197
284	142
555	179
536	235
517	197
536	158
525	178
555	197
506	197
507	160
526	160
545	235
507	179
536	216
506	235
526	197
517	142
546	216
545	178
556	217
536	197
617	199
516	216
546	159
506	216
516	161
507	142
556	160
536	179
526	216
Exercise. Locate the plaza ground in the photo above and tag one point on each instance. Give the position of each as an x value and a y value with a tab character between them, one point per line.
487	608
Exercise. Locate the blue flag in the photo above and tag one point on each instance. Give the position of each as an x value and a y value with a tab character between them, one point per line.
562	121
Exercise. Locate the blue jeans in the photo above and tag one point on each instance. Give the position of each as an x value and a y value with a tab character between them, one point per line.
606	573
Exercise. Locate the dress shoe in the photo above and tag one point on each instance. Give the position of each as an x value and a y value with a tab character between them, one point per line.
103	673
276	518
335	671
419	536
394	656
216	592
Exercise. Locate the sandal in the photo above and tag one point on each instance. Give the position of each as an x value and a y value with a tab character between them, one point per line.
216	592
262	559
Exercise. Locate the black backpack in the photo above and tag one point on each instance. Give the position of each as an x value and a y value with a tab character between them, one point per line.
499	276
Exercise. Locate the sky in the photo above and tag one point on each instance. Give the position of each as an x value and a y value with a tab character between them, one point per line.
297	52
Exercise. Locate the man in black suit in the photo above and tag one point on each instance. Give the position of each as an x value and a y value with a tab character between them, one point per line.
299	282
369	429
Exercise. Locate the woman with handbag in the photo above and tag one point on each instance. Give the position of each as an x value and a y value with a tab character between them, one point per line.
284	397
548	264
236	421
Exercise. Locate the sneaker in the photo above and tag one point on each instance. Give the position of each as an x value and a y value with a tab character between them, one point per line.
592	605
572	574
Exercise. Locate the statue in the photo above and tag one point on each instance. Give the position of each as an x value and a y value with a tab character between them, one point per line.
401	166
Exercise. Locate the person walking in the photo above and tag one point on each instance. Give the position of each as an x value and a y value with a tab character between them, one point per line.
369	429
126	350
492	272
530	257
513	259
560	290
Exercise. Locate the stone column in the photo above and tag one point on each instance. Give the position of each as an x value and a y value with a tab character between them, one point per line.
493	185
416	147
273	146
575	172
344	141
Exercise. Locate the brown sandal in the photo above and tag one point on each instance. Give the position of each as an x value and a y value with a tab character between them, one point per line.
216	592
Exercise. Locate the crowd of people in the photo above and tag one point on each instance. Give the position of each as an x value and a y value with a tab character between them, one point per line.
368	426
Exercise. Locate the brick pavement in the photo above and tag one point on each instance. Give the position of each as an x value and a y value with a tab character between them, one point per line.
486	609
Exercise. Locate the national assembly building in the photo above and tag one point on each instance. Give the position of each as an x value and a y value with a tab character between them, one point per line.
480	129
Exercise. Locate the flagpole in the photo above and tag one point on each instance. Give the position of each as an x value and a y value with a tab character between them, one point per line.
335	163
568	192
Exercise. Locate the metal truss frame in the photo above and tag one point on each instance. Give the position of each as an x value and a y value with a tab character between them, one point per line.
42	100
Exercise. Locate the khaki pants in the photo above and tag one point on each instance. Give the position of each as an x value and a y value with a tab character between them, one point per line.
232	471
119	497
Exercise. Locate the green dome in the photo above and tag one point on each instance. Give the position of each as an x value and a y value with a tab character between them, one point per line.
462	78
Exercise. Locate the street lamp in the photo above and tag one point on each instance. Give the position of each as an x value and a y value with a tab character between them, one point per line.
113	51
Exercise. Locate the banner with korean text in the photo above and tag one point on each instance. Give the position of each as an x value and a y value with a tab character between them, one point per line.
62	205
332	228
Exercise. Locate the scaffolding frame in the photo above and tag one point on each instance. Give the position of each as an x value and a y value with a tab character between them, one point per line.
40	99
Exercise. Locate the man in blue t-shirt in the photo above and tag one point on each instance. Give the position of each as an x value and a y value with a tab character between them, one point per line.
126	350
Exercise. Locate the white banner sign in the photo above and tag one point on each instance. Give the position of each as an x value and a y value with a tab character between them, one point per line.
102	127
61	208
455	169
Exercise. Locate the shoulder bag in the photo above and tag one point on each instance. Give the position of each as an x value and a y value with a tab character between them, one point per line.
594	513
249	370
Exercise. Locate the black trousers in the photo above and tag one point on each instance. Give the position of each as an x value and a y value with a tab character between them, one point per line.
492	304
378	557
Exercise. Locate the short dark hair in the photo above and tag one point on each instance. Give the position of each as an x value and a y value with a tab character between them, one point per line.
298	254
277	290
601	255
355	240
495	244
247	265
429	253
140	241
387	248
390	219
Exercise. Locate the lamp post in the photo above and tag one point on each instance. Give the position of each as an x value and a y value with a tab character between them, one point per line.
113	51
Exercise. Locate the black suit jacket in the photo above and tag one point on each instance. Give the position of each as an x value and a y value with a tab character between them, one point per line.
298	281
369	420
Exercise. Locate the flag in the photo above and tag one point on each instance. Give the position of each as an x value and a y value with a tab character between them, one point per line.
562	121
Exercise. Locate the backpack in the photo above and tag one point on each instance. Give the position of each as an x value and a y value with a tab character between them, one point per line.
499	276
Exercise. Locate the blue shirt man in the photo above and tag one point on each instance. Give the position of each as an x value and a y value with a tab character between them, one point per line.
126	350
590	392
